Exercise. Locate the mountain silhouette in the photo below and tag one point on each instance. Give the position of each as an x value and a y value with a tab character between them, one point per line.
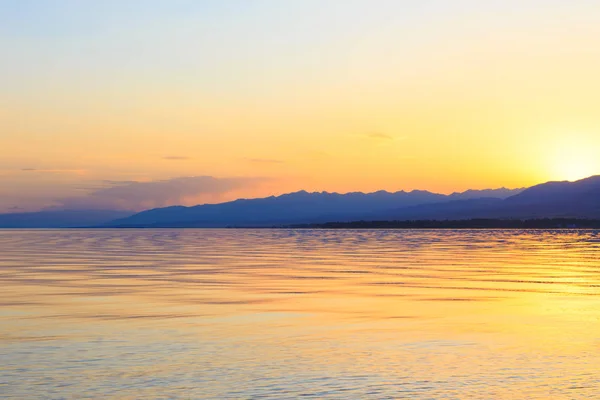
558	199
60	218
580	199
295	208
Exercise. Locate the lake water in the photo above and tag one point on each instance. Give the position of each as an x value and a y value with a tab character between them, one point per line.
240	314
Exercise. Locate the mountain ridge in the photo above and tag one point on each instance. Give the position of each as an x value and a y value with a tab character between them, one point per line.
60	218
554	199
295	207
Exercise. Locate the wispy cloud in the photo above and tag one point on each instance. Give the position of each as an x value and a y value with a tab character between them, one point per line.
134	195
176	158
55	171
264	161
318	155
379	136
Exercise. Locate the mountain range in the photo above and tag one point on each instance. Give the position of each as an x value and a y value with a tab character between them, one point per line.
294	208
580	199
60	218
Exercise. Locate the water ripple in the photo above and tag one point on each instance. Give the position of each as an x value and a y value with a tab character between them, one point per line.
227	314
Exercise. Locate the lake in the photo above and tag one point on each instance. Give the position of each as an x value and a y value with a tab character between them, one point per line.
340	314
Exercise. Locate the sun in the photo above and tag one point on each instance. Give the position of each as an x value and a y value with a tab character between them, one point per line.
574	169
569	156
573	161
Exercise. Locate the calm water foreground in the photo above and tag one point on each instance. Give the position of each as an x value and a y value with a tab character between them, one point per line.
228	314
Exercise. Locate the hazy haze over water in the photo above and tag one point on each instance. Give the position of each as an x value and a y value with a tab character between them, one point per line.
283	313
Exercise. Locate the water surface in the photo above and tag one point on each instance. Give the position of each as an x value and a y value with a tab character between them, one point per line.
235	314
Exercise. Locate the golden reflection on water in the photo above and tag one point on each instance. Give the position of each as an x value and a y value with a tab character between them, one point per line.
284	313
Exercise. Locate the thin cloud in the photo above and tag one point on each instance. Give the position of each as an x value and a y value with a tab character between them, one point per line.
55	171
264	161
379	136
176	158
318	155
116	183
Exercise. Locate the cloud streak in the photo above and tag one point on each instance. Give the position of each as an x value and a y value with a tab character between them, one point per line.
264	161
379	136
176	158
55	171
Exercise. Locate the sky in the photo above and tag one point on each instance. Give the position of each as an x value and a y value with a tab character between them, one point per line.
133	104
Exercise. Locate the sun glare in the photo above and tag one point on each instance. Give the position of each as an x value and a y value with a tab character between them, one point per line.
575	169
574	165
573	157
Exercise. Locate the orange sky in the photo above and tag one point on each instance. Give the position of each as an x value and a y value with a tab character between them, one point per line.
269	97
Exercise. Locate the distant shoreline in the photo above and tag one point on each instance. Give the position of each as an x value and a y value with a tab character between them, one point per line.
479	223
542	223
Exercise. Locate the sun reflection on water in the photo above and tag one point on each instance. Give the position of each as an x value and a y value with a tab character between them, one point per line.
284	313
